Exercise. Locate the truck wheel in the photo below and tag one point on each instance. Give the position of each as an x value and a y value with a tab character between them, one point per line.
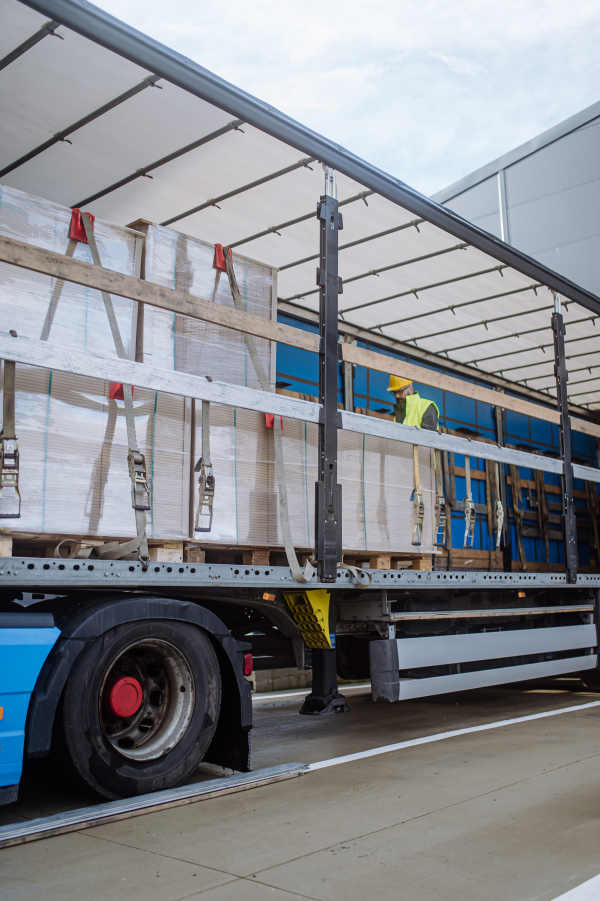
139	709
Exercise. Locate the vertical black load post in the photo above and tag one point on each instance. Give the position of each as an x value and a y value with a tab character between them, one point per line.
561	374
328	508
506	545
324	697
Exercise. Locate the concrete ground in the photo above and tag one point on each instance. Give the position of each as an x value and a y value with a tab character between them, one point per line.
509	813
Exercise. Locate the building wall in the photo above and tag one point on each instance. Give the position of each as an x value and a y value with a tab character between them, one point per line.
552	201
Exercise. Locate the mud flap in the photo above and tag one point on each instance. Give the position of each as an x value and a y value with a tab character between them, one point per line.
385	668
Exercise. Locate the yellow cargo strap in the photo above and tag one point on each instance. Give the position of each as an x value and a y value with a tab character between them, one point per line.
517	503
490	513
451	492
310	610
206	479
10	497
417	500
543	511
469	508
593	510
440	502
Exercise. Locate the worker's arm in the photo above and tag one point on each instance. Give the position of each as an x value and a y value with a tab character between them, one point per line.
430	419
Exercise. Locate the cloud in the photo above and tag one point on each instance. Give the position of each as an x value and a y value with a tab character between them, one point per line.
459	65
427	90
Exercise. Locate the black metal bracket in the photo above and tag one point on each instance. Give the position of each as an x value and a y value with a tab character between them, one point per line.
328	494
561	374
316	706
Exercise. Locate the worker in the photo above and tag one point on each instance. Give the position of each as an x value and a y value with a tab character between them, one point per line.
410	409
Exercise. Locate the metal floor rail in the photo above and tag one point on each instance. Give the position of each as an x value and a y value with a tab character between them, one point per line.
44	574
110	812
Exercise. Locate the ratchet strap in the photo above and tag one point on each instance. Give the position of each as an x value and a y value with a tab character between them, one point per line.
10	498
543	512
490	513
593	510
206	479
440	502
495	510
417	500
469	507
451	495
58	287
140	492
284	513
517	501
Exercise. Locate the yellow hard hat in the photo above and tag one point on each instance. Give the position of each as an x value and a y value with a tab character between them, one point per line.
397	383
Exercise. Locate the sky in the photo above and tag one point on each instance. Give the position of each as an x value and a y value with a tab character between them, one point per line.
427	90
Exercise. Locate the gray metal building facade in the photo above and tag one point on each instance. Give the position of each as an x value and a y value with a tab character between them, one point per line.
543	198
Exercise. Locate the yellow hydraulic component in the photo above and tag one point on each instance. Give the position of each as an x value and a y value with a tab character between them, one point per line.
310	609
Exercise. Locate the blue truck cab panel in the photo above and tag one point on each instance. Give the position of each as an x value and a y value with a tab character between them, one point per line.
26	639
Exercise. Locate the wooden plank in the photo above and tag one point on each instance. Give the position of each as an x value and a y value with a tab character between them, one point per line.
359	356
79	362
383	428
36	259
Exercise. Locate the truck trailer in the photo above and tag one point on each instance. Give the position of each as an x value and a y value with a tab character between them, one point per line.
125	662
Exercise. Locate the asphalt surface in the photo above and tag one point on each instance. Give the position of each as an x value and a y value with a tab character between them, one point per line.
496	814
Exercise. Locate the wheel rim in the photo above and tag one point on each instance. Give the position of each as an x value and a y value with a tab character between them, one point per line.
162	717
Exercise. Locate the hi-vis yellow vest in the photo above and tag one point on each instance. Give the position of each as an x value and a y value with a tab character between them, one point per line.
415	410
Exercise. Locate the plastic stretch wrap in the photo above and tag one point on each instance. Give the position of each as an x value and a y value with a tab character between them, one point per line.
173	341
376	475
41	307
74	476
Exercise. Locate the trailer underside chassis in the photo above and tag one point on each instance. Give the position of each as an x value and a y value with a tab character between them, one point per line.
145	682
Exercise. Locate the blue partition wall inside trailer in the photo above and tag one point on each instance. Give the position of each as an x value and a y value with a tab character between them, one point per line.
297	371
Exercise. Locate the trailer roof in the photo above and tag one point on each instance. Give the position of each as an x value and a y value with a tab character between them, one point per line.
99	116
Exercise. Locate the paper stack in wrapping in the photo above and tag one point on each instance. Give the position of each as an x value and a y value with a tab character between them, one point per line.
376	475
74	476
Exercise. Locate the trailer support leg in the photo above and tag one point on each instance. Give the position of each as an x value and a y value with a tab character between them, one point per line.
328	507
561	374
324	697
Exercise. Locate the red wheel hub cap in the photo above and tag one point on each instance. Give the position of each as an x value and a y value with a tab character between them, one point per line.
125	697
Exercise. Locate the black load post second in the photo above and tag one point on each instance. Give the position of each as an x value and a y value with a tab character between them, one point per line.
328	508
561	374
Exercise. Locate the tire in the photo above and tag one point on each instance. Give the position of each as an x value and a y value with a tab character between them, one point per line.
102	745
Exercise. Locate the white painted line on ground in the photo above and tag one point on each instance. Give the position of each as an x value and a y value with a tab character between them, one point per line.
275	695
440	736
587	891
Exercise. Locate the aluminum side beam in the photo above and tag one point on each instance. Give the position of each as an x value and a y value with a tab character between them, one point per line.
65	359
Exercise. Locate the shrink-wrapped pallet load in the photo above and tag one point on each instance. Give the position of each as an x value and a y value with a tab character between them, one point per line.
173	341
74	477
376	474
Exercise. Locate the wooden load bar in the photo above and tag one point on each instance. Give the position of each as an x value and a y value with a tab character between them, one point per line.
47	262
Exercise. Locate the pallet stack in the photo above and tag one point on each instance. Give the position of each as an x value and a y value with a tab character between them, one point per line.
74	477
